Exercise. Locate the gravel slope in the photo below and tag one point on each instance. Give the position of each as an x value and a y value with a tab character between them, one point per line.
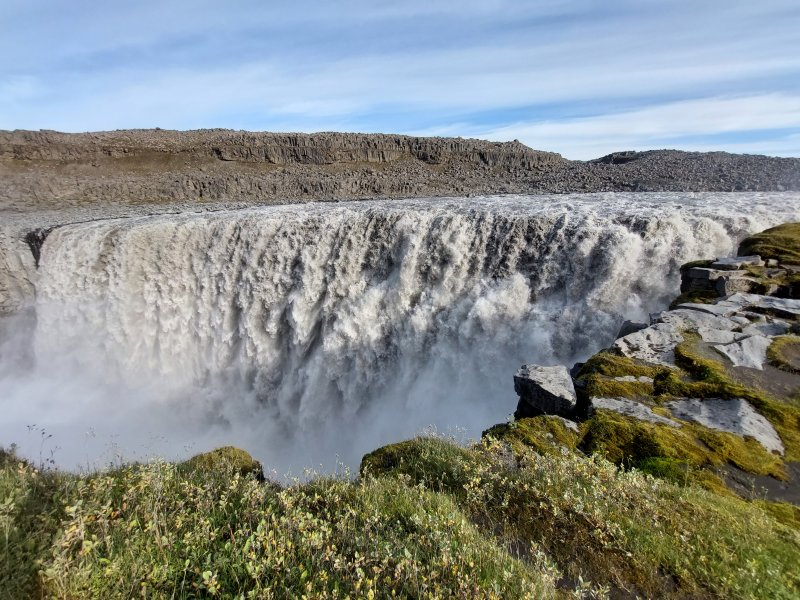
50	170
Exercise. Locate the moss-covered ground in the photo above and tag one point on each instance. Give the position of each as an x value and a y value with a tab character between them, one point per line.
781	243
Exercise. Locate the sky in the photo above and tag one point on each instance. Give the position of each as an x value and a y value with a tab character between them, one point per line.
578	77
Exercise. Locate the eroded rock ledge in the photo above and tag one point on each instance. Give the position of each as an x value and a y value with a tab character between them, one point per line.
707	389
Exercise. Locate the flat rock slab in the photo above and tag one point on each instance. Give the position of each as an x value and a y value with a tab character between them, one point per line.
718	336
683	319
749	352
734	263
544	390
734	416
769	329
787	307
719	310
654	344
629	327
630	408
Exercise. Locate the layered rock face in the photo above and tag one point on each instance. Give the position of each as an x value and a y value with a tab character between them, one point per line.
710	384
43	169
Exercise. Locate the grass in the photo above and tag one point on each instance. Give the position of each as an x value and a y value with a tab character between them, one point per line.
783	353
427	518
620	530
158	531
781	243
544	434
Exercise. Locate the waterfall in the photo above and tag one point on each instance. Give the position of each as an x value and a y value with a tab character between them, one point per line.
307	332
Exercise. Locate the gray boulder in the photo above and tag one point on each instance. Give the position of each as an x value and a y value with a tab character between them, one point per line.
544	391
734	282
654	344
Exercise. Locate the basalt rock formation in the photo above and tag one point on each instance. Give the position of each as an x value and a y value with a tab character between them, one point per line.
707	390
47	169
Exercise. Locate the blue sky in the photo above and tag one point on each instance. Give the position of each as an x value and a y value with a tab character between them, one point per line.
579	77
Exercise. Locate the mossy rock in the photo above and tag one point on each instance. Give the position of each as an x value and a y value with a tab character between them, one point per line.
784	353
225	460
440	464
544	434
712	381
613	365
695	297
673	452
781	243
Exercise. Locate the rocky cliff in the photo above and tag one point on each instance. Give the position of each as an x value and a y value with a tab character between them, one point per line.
46	169
705	391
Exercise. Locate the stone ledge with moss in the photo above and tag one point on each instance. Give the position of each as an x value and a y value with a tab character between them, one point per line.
709	391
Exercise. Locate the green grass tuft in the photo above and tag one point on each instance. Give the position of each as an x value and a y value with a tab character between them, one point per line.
781	243
227	460
784	352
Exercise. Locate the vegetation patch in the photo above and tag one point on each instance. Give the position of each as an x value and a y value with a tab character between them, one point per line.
613	365
543	434
784	353
614	529
154	531
696	297
781	243
225	460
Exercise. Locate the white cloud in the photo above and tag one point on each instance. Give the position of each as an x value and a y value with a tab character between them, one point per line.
660	126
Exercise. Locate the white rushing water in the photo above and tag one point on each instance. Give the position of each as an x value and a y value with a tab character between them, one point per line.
309	334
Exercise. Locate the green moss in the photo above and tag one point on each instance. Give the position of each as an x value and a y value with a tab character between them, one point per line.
780	353
599	386
225	460
714	382
783	512
613	365
781	243
543	434
663	450
444	464
695	296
